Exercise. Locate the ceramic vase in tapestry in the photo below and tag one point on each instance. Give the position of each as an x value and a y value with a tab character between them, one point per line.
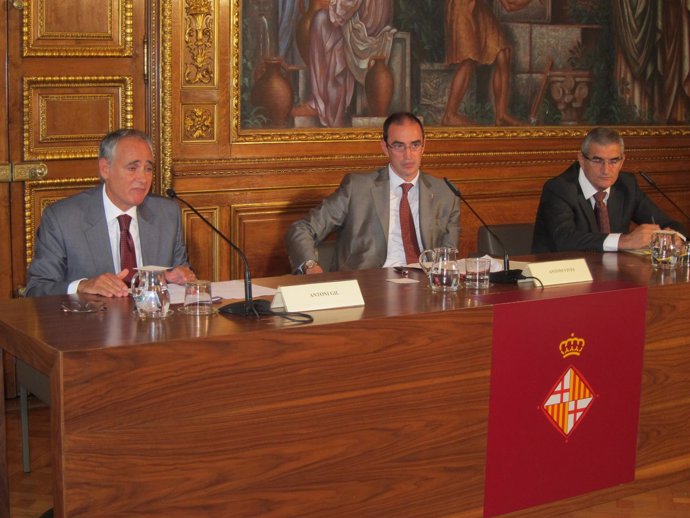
273	93
303	27
378	85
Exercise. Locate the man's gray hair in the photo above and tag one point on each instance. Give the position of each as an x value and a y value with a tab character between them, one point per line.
106	148
603	137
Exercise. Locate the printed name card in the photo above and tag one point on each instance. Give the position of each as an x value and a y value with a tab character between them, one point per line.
322	295
559	272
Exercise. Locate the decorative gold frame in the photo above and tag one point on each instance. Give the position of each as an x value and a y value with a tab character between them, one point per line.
240	136
126	97
124	47
433	132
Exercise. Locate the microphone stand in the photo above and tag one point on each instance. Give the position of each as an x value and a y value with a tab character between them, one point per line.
249	306
507	276
651	182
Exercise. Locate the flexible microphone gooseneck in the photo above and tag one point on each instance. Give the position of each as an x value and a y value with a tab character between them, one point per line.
507	276
249	306
651	182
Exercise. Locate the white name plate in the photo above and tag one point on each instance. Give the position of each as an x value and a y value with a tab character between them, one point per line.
322	295
559	272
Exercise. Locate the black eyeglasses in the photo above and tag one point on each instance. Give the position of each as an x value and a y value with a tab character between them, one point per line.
598	161
399	147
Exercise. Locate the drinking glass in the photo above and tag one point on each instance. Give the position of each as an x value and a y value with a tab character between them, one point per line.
441	268
197	298
150	292
477	271
664	249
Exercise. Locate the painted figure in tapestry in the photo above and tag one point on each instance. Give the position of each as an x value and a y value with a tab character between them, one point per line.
474	36
572	62
342	40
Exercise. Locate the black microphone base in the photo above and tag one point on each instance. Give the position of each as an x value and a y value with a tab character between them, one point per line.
506	276
247	308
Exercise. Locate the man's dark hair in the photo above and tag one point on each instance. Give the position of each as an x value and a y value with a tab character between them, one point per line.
106	148
399	118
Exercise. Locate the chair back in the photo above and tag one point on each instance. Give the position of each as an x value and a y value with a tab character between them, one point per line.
517	238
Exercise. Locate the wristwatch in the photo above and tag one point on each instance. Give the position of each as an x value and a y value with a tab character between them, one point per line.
308	265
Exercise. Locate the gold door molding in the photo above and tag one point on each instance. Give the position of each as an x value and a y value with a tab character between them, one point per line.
49	101
103	29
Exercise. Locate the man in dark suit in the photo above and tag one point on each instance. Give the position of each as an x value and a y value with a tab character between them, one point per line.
365	210
567	218
78	243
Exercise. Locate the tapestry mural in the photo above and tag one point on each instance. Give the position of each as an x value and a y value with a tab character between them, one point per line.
464	63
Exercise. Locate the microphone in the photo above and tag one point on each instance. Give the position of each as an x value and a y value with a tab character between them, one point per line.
651	182
507	276
249	306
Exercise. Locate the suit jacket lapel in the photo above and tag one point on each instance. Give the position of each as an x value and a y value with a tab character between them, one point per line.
146	219
97	235
381	196
426	208
586	208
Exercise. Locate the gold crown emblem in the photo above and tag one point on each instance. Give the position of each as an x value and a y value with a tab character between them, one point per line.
571	346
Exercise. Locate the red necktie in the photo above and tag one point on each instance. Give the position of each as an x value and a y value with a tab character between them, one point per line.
409	236
128	255
602	213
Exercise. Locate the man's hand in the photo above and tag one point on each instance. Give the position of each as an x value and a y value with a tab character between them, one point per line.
638	238
180	275
106	285
314	269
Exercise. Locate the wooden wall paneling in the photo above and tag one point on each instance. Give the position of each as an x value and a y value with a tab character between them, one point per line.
78	72
203	245
260	228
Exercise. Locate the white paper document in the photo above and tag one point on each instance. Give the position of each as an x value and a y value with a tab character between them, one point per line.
224	289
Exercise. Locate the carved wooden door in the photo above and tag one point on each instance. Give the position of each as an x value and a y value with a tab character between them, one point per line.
75	70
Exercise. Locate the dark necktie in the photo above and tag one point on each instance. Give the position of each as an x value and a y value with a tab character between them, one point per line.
602	213
409	236
128	255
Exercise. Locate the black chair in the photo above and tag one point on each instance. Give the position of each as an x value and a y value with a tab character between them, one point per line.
516	237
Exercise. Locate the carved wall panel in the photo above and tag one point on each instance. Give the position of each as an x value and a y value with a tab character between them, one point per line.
259	229
65	117
199	123
199	56
203	244
77	28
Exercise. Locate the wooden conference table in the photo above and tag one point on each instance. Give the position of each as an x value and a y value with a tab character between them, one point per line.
357	414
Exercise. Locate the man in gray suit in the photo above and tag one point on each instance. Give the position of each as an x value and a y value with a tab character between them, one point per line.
365	210
78	243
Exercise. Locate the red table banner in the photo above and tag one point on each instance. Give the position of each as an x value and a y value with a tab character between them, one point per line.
565	397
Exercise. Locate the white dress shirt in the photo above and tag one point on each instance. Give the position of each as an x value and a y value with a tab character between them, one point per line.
611	241
111	214
395	255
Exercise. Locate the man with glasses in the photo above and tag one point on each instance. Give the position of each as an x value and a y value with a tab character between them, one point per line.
592	204
384	218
